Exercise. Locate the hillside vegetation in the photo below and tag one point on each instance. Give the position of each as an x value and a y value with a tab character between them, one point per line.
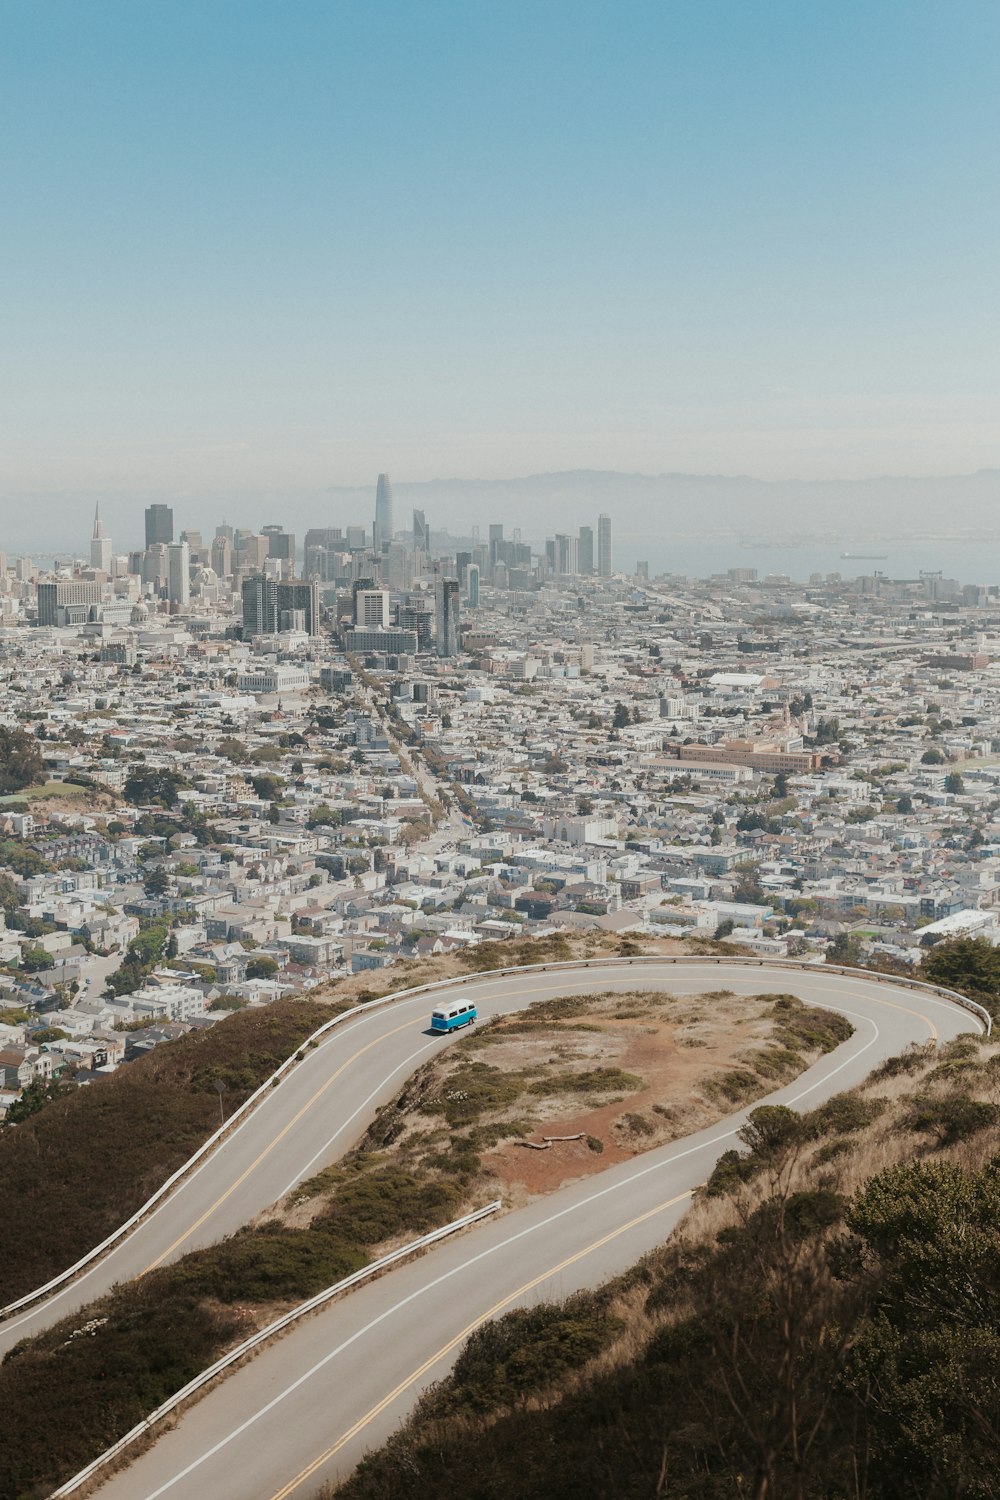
825	1327
73	1172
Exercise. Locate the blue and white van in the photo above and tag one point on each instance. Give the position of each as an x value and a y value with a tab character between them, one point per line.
453	1015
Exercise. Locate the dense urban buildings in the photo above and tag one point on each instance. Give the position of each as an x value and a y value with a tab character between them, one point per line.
318	760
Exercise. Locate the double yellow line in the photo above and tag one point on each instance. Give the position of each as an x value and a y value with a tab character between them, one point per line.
446	1349
376	1041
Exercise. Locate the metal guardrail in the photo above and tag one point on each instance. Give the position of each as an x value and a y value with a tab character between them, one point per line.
256	1340
239	1114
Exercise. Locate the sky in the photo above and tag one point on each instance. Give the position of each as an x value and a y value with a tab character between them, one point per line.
278	245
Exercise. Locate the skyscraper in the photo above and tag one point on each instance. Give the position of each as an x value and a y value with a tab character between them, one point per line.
585	549
100	546
383	513
159	524
270	606
281	545
446	616
179	573
604	560
222	554
421	532
472	585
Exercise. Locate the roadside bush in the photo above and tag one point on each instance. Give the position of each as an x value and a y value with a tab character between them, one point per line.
953	1117
529	1349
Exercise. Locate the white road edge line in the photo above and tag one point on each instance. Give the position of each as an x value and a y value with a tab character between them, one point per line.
484	1255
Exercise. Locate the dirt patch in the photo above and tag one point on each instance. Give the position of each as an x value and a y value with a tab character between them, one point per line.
674	1046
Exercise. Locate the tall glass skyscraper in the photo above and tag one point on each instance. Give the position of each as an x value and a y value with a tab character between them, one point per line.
383	513
604	563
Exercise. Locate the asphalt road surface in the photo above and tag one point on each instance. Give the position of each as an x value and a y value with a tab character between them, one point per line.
306	1409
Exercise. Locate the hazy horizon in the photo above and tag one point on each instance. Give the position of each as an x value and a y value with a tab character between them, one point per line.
282	248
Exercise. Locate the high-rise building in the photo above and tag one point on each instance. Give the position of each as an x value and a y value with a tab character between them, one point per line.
252	551
271	606
222	555
446	616
397	567
585	550
357	538
472	585
281	545
325	536
421	532
66	603
416	614
382	535
179	573
196	545
566	554
100	546
371	609
159	524
604	558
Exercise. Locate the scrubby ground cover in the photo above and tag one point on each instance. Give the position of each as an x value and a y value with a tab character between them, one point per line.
623	1072
73	1172
826	1326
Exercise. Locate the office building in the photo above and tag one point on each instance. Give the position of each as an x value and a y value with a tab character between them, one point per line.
100	546
252	551
357	538
585	550
371	608
179	573
604	557
421	532
446	616
472	585
155	567
159	525
195	545
271	606
222	555
68	603
417	615
325	536
382	534
281	545
566	555
392	642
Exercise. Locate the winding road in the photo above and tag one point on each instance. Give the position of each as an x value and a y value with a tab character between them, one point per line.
308	1407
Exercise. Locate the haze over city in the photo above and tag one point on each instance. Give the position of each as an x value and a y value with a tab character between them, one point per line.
500	750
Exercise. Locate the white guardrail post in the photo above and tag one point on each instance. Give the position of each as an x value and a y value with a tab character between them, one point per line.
208	1146
257	1339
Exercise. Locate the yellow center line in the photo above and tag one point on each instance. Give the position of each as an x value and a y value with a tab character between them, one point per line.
271	1145
497	1307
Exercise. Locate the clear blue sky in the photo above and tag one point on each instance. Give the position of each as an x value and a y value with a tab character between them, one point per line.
291	243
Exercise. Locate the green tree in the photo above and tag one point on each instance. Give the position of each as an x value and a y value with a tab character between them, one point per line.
954	783
262	967
933	757
150	785
969	965
35	959
844	949
20	760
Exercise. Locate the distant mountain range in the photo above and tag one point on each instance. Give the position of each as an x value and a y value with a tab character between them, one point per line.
960	506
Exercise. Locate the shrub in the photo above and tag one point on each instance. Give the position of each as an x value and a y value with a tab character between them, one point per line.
531	1348
955	1117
